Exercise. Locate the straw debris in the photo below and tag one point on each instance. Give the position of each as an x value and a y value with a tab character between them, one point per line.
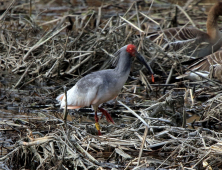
39	57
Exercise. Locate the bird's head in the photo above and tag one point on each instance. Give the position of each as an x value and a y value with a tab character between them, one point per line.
131	49
216	9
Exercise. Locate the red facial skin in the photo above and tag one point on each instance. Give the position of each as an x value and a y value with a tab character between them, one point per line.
131	49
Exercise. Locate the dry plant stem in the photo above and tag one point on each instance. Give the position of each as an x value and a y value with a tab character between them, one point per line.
170	75
129	9
157	107
55	20
110	156
25	84
20	80
37	141
117	142
149	18
12	124
159	49
73	153
6	11
78	65
77	38
184	118
203	141
10	153
160	144
132	16
138	19
135	114
79	56
82	164
151	6
43	40
85	153
64	147
169	156
155	23
62	56
167	85
107	24
18	67
128	36
53	66
123	154
192	147
99	17
141	41
36	154
30	8
159	119
133	25
65	112
145	81
142	145
139	167
80	52
67	38
187	4
186	15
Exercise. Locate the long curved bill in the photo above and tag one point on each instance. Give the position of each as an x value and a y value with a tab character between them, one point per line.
142	61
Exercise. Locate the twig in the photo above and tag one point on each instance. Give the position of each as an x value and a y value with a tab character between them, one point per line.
65	112
26	71
135	114
142	144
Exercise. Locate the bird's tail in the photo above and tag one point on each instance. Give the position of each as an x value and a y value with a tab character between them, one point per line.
60	97
181	76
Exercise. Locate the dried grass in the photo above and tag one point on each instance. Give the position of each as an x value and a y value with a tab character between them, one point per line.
47	142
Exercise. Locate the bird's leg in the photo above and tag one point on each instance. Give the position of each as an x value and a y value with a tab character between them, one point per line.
97	123
104	112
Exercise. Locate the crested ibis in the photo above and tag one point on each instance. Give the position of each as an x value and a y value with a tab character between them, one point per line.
104	85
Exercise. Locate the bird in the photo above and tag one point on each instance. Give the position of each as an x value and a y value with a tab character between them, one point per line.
192	41
104	85
209	66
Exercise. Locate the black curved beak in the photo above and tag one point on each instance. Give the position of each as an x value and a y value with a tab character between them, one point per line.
142	61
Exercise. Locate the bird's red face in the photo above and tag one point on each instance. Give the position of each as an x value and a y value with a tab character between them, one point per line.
131	49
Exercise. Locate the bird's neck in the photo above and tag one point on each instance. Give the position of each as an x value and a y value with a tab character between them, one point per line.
212	27
124	64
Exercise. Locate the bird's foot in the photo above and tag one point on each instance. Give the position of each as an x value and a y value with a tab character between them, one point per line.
108	117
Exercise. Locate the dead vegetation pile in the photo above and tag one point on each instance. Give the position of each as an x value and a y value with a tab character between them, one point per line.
152	132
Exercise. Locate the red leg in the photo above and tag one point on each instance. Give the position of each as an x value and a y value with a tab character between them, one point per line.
108	117
97	123
96	117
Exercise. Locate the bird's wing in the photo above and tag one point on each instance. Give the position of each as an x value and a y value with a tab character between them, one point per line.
174	39
176	34
209	65
83	93
208	61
